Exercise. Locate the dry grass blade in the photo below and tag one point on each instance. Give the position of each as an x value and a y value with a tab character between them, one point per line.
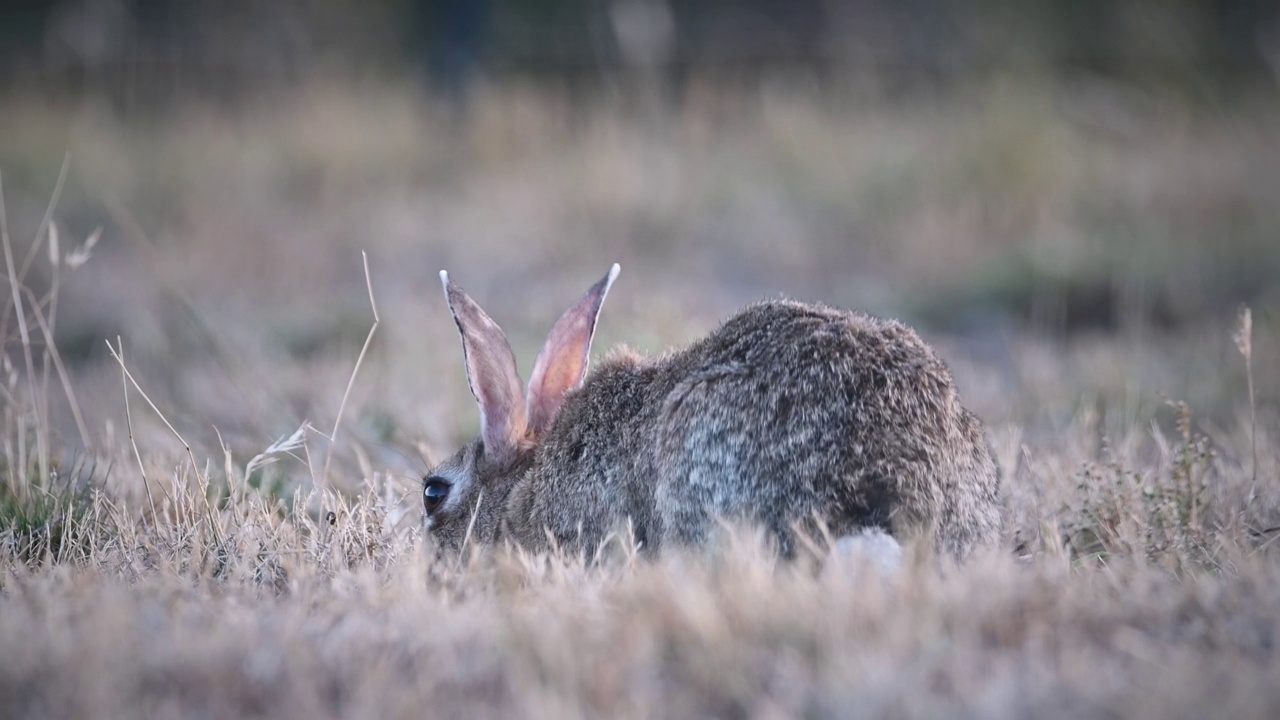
51	350
133	440
81	254
41	424
46	222
285	444
342	406
118	356
1244	342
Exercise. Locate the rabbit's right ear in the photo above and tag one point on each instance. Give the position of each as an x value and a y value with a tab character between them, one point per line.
562	363
491	373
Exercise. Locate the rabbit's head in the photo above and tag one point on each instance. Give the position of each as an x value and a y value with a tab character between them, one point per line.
464	497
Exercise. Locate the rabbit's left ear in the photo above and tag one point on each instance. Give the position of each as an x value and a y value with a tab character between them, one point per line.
491	373
562	363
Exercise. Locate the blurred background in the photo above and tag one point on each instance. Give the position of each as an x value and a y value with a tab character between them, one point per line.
1071	198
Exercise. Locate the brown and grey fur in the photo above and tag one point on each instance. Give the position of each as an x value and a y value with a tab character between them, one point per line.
787	416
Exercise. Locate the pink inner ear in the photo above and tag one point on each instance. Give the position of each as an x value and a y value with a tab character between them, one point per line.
491	373
562	363
561	366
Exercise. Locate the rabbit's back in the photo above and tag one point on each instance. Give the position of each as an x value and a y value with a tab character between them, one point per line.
787	414
790	413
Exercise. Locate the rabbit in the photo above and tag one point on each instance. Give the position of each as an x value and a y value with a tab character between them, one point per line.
794	417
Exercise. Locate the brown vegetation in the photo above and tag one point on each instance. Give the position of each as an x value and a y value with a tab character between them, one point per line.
154	560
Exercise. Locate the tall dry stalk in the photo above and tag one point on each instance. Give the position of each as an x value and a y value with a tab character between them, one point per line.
34	414
15	287
117	353
346	394
1244	342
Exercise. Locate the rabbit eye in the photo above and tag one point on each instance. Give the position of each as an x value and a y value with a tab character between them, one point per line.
434	492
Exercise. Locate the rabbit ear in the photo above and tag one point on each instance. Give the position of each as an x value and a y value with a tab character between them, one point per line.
491	373
562	363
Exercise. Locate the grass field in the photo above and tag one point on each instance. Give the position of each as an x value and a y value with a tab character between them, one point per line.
218	515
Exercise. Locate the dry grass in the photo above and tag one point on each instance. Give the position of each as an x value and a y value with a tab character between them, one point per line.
194	555
1143	592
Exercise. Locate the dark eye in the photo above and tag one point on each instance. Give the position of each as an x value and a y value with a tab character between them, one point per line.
434	491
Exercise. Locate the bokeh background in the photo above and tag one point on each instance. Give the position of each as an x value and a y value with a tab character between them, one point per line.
1071	198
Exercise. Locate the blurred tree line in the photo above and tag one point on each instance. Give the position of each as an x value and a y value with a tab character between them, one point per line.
159	47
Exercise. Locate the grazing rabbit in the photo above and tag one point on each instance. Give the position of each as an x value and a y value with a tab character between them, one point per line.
794	417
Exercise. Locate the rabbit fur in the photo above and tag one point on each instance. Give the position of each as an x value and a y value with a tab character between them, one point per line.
796	417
